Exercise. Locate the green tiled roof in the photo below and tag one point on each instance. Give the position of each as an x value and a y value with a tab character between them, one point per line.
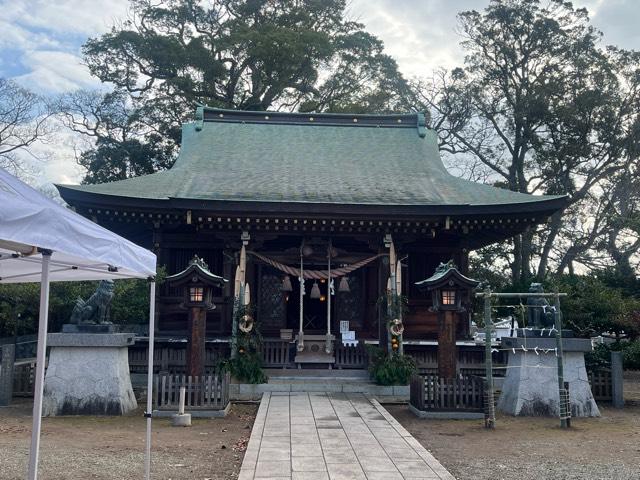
309	158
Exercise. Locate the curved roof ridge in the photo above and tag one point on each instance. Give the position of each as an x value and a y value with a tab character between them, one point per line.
416	120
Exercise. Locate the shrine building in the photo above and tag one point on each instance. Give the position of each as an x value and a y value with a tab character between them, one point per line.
313	195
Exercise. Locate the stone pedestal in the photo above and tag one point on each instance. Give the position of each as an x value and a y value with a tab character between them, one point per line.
88	374
531	384
89	328
7	359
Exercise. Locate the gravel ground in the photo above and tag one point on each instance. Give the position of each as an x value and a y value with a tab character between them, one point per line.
536	448
74	448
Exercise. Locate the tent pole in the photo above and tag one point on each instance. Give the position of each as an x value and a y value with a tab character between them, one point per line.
152	317
40	361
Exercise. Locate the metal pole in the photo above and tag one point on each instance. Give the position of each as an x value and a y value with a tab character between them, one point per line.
40	361
490	415
561	390
150	354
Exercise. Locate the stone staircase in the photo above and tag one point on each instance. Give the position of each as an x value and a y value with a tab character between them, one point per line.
319	380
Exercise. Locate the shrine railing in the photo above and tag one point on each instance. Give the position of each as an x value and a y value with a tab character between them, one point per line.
348	356
208	392
430	393
276	353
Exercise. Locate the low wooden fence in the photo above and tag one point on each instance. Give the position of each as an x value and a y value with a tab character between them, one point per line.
172	359
601	384
470	363
430	393
208	392
276	353
24	377
348	356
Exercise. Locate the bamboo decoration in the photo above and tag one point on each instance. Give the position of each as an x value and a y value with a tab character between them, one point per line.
329	344
400	326
300	345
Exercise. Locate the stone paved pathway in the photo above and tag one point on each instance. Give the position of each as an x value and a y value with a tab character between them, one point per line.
334	436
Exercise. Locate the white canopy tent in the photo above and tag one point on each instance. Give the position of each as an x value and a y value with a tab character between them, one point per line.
41	241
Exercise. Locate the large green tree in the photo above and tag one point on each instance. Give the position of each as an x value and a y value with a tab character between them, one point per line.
172	55
540	108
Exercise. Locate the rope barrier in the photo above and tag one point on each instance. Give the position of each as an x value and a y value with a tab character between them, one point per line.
316	274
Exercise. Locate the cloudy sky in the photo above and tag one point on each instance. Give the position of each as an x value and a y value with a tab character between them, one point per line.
41	39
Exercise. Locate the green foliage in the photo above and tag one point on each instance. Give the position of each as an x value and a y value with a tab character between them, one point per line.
631	355
173	55
593	308
20	303
599	358
601	355
247	367
247	364
390	370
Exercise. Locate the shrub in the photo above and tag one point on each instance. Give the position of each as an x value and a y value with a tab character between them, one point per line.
390	370
601	355
599	358
631	355
247	367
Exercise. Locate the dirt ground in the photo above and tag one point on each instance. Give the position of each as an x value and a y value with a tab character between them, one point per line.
113	447
536	448
74	448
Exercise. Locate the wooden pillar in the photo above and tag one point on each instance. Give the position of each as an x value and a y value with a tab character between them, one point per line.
447	355
196	345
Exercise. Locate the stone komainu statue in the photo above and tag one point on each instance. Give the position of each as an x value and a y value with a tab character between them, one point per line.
540	314
95	310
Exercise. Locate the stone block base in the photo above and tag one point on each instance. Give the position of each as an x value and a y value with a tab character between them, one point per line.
87	379
452	415
531	385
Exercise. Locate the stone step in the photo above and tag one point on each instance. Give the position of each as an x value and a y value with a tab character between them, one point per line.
320	381
315	376
316	372
254	392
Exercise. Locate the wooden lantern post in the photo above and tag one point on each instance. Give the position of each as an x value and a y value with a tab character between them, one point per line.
451	293
197	282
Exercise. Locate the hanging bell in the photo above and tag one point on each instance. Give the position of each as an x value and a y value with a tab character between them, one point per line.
286	284
315	291
344	285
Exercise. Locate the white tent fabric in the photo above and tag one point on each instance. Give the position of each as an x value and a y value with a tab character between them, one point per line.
84	250
41	241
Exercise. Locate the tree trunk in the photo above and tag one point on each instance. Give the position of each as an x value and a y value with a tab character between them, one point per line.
554	229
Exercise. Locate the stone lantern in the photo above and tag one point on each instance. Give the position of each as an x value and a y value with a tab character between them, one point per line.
197	282
451	297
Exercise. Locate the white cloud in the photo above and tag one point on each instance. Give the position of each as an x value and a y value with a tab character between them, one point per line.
55	72
51	159
85	17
